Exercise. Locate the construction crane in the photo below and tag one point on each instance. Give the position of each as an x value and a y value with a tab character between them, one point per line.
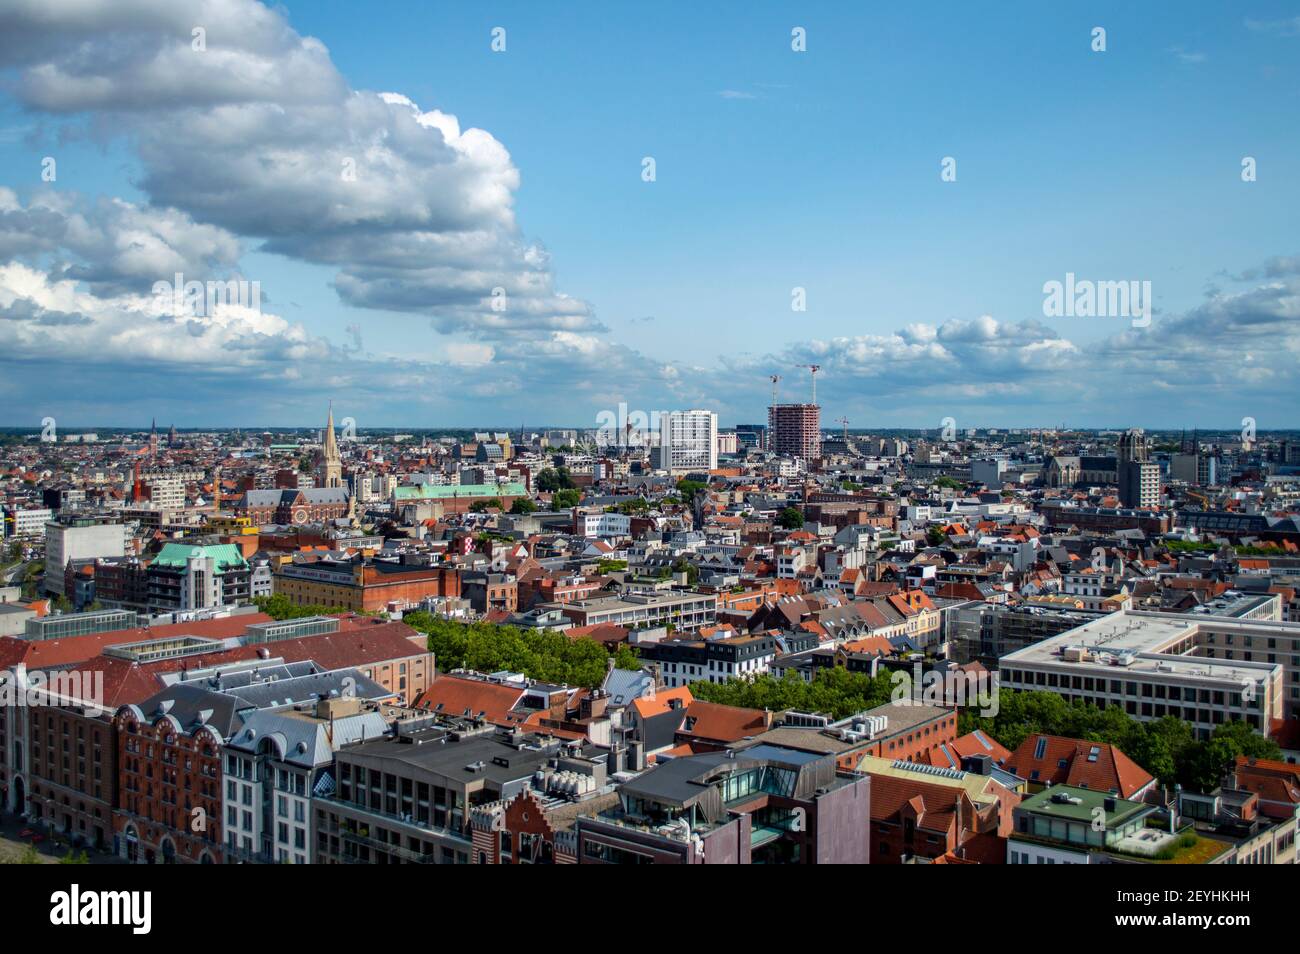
775	379
813	369
845	422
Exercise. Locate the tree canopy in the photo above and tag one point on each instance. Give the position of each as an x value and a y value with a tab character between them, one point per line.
1165	747
552	479
833	690
790	518
544	655
565	499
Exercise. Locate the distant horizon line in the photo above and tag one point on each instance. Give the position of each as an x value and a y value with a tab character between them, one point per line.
35	430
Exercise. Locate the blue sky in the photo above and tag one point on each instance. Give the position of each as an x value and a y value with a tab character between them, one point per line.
775	169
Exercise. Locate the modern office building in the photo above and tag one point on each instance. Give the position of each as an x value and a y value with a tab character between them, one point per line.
751	436
984	632
26	523
1205	670
1195	468
184	577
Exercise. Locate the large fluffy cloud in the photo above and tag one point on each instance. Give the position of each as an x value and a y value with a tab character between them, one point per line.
255	132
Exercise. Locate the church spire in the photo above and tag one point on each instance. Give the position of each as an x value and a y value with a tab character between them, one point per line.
330	468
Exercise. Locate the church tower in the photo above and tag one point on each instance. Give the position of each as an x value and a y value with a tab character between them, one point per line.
329	466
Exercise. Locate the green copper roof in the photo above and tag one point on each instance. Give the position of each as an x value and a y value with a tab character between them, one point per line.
452	491
1089	801
225	555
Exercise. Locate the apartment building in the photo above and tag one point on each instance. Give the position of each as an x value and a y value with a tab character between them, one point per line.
717	659
410	799
181	796
1071	825
688	441
686	611
185	577
277	761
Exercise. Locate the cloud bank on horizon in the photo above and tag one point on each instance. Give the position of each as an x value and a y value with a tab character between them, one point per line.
255	142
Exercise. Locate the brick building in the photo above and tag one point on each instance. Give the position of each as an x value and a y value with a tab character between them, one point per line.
293	506
362	585
169	759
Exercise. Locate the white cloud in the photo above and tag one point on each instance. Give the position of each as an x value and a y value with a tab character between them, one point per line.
260	136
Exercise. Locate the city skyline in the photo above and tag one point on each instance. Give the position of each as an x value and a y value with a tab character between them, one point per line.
375	197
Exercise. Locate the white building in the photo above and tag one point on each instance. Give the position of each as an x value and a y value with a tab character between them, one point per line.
166	491
26	524
79	541
604	524
1205	670
274	765
688	440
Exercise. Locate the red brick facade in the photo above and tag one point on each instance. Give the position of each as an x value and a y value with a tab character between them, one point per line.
170	791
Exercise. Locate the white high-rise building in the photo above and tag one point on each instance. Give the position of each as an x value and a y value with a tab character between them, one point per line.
688	440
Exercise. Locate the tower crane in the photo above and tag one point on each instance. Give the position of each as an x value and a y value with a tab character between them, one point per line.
775	379
813	369
845	422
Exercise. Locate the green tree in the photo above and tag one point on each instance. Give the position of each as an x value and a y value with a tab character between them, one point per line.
790	518
482	506
835	690
280	606
1165	747
683	565
552	479
522	505
565	499
690	489
539	654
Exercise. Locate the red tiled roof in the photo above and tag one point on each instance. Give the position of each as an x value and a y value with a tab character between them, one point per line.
712	721
50	653
647	707
935	805
601	632
1071	761
353	646
950	754
457	695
